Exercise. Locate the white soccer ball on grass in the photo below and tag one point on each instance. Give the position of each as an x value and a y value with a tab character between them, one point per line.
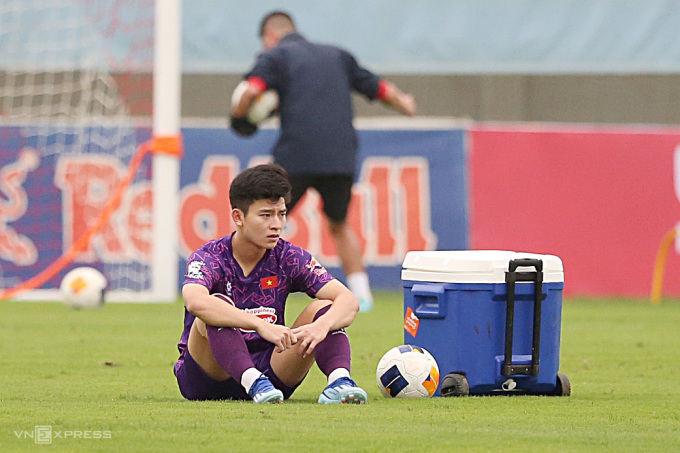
407	371
83	287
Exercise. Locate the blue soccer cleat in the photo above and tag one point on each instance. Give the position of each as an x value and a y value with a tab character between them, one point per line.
263	391
343	390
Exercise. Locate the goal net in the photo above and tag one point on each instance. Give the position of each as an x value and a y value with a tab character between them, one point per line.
76	109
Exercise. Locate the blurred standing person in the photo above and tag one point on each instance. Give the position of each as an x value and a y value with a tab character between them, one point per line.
318	143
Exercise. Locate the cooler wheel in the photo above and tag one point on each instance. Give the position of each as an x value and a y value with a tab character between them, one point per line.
563	387
455	384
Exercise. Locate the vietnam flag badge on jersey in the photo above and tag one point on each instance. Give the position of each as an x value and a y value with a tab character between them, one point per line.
269	282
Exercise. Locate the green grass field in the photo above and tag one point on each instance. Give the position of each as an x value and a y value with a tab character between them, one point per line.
109	373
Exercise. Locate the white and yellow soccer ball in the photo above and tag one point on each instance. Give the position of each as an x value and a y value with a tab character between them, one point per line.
407	371
262	107
83	287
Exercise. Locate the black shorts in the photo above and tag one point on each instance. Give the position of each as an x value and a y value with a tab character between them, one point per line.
335	191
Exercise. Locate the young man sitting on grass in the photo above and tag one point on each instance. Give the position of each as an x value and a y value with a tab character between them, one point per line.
235	343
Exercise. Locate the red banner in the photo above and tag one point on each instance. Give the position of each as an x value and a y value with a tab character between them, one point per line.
601	198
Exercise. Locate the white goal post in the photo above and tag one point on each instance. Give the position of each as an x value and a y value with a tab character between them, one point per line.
166	123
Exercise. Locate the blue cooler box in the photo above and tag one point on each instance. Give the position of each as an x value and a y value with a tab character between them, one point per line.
471	309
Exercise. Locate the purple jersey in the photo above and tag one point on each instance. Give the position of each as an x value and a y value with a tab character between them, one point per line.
282	270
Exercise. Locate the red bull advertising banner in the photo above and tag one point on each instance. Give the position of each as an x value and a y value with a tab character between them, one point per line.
600	198
410	194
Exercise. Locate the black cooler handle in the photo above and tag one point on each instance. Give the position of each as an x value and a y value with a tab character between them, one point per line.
512	277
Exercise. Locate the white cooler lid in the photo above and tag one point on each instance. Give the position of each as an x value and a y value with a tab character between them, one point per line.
473	266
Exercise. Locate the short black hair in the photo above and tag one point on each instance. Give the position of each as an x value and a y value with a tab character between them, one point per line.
273	15
262	182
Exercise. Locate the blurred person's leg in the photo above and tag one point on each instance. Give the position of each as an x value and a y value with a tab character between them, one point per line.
350	256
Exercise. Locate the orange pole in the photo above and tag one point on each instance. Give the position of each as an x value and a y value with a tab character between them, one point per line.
660	266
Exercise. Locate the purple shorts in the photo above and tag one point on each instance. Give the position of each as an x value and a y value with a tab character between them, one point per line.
195	384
